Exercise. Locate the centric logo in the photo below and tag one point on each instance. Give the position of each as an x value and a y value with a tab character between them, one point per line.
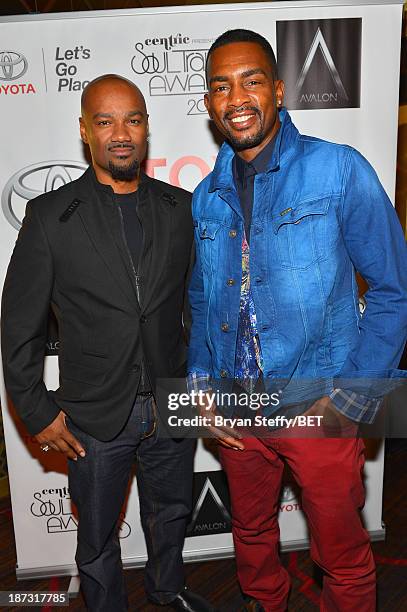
13	65
32	181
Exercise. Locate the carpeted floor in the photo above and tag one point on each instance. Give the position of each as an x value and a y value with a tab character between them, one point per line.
216	580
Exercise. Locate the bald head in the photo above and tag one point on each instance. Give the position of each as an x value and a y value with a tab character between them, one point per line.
114	123
106	81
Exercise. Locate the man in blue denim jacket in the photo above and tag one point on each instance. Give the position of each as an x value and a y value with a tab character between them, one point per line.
281	225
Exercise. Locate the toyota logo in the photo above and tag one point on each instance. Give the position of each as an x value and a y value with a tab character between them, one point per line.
12	65
33	181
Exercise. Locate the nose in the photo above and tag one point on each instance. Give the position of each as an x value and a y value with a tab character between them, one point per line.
238	96
121	132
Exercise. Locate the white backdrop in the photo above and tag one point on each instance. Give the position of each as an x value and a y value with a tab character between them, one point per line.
44	63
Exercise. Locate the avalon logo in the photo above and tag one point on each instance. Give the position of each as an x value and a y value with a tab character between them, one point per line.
320	60
211	512
287	494
32	181
13	65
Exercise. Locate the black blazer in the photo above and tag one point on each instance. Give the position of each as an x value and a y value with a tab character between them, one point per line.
70	254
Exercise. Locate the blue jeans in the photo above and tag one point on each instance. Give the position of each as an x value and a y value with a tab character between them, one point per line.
98	484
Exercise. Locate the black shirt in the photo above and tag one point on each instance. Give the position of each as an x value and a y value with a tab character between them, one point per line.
131	205
133	231
243	175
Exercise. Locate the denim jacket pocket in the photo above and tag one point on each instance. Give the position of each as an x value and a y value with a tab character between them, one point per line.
208	229
206	241
301	234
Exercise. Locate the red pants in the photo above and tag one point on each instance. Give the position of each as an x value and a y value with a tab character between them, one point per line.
329	472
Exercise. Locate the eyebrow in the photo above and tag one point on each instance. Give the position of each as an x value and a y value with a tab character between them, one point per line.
109	115
243	75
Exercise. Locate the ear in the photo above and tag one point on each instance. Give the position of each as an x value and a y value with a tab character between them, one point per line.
82	130
279	89
207	104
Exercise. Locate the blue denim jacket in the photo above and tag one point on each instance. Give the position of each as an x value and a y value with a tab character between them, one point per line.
319	214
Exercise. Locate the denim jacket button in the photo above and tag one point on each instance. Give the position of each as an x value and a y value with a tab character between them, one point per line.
232	233
223	373
224	327
230	282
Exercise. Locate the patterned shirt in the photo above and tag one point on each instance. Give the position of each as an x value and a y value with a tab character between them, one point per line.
248	358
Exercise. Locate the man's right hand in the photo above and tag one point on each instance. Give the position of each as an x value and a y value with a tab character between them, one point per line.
58	437
224	435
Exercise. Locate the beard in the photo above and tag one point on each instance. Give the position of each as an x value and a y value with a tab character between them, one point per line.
246	142
240	143
124	173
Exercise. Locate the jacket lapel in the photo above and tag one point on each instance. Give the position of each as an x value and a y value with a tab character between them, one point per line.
101	220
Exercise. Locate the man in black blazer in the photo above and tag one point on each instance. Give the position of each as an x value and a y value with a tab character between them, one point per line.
110	254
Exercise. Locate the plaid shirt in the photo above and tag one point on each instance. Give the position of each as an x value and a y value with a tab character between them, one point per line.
355	406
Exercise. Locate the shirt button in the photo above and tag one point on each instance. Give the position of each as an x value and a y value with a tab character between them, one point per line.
223	374
230	282
224	327
232	233
135	368
143	319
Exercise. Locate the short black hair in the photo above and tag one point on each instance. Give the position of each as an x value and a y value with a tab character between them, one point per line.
242	35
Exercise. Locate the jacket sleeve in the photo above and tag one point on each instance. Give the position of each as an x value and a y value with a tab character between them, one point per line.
199	357
24	317
377	249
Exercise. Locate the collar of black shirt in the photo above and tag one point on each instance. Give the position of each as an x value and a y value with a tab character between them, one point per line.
107	189
244	169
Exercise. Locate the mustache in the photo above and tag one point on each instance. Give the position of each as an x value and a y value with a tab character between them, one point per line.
121	145
229	114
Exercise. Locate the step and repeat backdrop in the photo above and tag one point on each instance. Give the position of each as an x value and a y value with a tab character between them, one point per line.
341	66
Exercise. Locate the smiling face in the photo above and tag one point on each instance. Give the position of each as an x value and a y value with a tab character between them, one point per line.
114	124
243	96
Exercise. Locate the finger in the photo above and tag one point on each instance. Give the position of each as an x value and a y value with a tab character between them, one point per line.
53	446
217	432
232	433
228	441
231	443
73	442
65	449
224	429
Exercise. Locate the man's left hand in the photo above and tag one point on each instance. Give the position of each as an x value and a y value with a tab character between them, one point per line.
332	419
